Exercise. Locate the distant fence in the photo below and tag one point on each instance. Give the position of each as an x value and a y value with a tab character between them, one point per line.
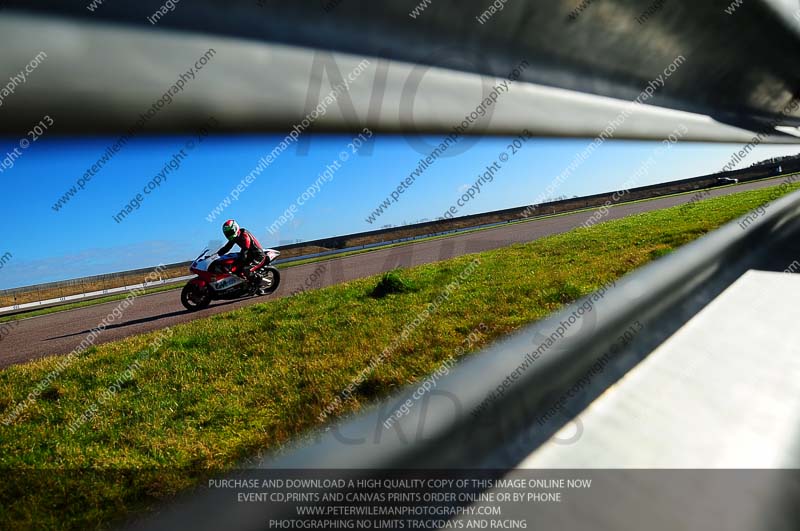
553	207
65	288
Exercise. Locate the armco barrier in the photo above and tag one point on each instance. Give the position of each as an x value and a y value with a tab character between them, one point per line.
27	306
79	286
497	433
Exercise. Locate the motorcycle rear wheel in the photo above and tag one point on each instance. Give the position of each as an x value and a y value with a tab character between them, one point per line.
194	298
270	280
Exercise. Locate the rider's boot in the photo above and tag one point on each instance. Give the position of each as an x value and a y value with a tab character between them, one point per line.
254	282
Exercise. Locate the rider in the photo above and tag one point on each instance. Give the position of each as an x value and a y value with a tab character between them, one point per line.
252	252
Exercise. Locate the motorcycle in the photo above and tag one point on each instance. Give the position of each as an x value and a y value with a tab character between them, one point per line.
216	279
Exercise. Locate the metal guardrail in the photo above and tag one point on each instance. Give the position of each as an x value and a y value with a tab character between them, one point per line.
67	299
83	281
605	52
660	296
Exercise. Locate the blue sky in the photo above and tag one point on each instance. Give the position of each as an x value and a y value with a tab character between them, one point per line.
170	226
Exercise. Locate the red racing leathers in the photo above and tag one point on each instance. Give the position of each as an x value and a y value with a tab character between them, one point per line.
251	255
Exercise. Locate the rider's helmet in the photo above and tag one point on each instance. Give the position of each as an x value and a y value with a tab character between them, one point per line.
230	229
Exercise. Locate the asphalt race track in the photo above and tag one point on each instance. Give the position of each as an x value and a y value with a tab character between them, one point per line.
59	333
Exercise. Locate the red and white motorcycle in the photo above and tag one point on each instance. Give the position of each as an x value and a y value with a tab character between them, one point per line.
216	280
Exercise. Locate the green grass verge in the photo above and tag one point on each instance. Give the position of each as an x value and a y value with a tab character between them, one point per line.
224	387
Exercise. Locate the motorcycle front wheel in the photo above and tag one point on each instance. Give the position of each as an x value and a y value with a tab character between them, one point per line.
195	298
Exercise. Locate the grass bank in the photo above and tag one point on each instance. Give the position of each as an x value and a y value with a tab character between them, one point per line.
219	389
